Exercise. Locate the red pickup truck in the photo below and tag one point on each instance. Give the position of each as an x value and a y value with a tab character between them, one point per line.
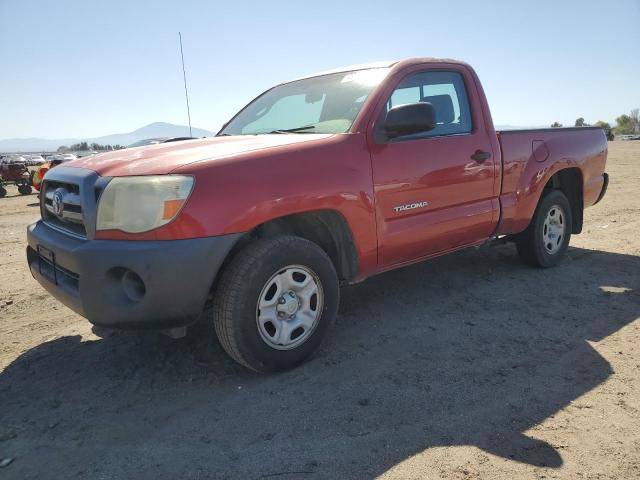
324	180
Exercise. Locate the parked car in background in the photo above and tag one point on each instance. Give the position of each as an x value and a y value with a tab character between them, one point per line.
35	160
14	158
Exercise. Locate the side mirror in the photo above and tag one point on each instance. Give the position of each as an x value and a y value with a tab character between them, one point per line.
410	118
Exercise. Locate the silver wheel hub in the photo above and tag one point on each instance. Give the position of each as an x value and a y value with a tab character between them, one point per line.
289	307
553	229
288	304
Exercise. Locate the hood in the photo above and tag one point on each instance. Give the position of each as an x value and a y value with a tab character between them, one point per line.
165	157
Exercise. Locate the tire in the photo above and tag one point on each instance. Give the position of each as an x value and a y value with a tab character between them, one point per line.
25	189
545	241
3	192
255	321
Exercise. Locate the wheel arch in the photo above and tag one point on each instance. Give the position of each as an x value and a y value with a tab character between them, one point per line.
326	228
570	182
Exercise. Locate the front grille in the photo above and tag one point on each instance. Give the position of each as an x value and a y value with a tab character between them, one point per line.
62	207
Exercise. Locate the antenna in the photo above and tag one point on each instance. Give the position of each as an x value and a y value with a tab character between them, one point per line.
184	77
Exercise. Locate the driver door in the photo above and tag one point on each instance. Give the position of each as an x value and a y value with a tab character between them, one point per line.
433	192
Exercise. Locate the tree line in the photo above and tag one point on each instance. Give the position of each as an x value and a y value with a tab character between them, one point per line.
625	124
84	146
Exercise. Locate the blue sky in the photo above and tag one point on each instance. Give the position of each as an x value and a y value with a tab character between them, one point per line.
88	68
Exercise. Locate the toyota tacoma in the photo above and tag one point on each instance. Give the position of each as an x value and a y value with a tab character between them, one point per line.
318	182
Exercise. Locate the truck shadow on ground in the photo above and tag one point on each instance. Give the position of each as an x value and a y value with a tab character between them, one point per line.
470	349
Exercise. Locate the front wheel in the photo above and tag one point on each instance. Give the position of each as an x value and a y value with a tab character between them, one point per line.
275	302
545	241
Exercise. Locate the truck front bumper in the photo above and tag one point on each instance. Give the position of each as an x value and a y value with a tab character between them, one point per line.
127	284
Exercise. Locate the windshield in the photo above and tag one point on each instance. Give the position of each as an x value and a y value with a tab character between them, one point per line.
323	104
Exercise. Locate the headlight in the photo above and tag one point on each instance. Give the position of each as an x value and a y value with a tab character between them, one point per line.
140	204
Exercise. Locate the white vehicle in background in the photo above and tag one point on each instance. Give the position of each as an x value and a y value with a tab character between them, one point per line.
61	157
14	159
35	160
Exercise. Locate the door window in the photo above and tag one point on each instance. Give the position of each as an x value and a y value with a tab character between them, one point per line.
445	91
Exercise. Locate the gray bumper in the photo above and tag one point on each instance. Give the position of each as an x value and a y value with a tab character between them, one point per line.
127	284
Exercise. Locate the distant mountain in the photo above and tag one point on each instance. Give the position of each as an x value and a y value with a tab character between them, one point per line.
153	130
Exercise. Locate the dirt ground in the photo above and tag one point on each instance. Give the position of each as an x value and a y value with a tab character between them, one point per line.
468	366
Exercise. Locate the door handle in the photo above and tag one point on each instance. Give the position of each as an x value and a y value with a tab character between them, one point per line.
480	156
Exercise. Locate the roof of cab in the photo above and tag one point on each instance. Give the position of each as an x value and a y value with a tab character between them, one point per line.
382	64
349	68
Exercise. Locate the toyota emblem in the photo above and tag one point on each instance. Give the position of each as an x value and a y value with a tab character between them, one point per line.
57	203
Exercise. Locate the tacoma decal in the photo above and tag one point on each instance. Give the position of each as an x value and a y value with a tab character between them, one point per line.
410	206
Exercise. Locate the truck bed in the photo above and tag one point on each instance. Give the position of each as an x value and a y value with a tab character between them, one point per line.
530	157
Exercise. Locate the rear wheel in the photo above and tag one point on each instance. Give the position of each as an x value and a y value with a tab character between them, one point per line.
545	241
275	302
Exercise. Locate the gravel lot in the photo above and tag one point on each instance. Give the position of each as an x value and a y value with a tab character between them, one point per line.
468	366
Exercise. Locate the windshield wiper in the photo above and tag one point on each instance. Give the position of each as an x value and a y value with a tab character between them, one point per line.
293	130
